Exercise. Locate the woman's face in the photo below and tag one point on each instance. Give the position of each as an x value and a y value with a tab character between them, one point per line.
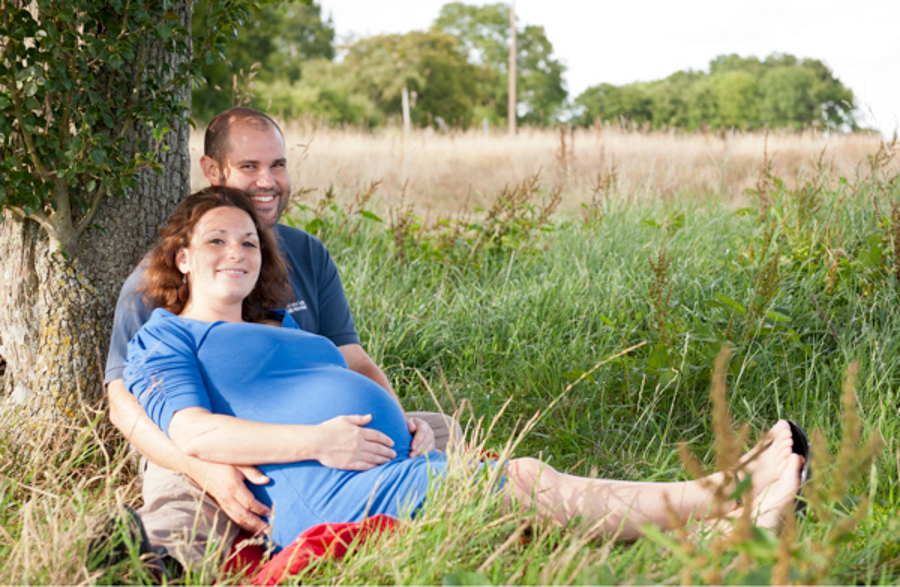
223	258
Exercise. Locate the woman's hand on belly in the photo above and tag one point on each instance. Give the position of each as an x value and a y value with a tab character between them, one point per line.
343	443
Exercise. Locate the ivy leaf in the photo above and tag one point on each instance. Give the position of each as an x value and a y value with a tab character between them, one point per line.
164	32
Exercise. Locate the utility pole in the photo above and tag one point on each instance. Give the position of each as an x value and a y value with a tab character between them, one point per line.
407	120
511	112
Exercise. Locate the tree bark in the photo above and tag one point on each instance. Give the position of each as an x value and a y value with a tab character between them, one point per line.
56	313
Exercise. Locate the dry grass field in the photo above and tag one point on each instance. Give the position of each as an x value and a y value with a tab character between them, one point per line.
445	172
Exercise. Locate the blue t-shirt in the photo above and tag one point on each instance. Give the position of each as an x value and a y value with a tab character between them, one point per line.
319	306
279	376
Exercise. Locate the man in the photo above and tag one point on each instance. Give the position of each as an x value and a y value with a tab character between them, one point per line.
244	149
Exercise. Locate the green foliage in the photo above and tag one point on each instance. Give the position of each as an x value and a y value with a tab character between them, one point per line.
432	65
279	38
608	102
327	92
513	330
456	73
77	85
365	88
800	286
738	92
484	30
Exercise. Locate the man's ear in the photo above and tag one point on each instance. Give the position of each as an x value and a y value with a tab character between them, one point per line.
211	170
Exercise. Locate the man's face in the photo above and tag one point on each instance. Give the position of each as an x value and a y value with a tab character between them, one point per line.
256	163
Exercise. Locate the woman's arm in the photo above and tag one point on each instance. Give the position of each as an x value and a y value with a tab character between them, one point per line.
340	443
224	483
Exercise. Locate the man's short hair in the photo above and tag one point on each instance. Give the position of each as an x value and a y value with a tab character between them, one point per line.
215	143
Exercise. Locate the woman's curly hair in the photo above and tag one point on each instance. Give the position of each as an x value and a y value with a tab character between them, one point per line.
164	285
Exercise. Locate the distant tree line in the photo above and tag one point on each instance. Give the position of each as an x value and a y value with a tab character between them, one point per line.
286	61
744	93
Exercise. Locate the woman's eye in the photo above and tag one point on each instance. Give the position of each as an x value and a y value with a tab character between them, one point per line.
251	245
215	241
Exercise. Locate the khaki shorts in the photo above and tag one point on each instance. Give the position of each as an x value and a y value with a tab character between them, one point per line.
189	524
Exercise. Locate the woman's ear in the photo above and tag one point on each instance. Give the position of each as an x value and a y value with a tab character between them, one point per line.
182	261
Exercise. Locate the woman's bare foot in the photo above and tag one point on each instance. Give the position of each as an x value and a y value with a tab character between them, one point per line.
773	502
766	461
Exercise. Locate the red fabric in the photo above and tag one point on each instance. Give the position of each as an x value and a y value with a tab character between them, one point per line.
330	540
333	540
245	558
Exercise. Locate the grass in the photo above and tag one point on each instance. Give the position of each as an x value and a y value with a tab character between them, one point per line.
442	173
606	322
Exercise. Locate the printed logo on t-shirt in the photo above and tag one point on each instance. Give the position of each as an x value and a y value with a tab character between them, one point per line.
297	306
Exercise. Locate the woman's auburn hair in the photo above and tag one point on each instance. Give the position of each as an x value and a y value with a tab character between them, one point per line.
164	285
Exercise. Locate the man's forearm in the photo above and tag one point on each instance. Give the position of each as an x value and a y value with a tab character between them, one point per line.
136	426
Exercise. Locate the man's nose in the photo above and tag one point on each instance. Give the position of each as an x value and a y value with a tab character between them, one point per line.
265	179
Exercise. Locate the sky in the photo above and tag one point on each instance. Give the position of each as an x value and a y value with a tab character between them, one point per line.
624	41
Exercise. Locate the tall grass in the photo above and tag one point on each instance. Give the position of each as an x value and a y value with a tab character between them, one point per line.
446	172
590	340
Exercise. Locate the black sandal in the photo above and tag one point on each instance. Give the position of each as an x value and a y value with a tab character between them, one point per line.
802	448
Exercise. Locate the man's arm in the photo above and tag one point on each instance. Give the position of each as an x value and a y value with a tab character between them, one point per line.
359	361
225	483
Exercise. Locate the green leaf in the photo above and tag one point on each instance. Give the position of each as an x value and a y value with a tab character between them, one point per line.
313	225
777	316
730	303
160	132
370	215
98	156
465	578
875	255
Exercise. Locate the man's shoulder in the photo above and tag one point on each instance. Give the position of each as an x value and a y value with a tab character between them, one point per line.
295	239
285	232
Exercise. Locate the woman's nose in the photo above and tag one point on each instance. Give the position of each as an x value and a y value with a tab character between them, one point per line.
235	250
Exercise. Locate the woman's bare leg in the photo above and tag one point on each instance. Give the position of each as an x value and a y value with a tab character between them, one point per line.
621	507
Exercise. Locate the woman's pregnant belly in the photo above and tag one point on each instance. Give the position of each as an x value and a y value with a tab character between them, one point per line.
307	396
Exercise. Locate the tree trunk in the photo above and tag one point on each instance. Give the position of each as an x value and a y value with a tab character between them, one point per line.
56	313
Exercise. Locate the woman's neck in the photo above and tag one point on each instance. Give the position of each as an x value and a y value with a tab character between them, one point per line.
212	313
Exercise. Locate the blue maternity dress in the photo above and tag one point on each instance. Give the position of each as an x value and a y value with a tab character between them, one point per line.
279	376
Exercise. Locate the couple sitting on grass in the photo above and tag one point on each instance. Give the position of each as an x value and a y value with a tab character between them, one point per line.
232	380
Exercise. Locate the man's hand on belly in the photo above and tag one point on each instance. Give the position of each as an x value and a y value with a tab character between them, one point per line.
225	484
343	443
423	437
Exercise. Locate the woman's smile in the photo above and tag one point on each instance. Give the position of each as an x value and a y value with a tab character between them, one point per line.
221	263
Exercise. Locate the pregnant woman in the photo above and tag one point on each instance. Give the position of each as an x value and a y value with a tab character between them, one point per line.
231	381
